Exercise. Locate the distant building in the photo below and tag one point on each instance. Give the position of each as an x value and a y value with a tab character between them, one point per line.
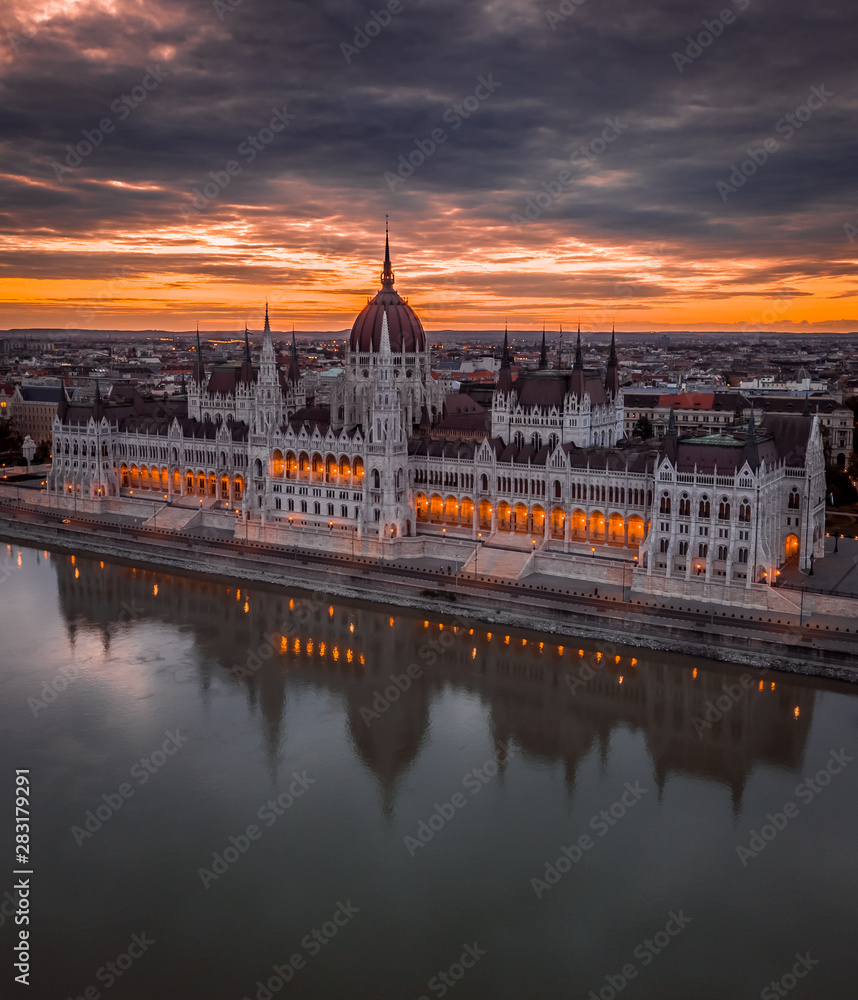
32	409
799	382
701	412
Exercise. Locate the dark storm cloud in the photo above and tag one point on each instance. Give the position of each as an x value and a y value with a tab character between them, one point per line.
227	70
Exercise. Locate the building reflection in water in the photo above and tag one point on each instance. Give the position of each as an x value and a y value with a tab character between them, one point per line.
264	640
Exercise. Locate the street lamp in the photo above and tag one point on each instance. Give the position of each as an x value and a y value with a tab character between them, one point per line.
476	550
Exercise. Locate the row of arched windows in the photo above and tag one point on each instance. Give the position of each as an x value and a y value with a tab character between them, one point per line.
704	508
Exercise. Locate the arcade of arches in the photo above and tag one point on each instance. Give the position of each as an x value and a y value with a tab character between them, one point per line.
193	482
542	521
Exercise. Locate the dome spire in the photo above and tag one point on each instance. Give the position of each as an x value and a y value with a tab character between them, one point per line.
387	273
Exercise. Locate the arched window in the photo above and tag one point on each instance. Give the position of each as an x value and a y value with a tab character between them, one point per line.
557	489
745	511
684	506
376	479
664	505
536	441
724	509
794	502
704	510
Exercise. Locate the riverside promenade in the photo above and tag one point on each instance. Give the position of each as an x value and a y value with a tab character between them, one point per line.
808	642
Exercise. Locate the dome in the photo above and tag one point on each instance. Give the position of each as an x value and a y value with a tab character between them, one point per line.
405	329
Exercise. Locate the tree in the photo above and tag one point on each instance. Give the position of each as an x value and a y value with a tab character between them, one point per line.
43	452
643	428
10	439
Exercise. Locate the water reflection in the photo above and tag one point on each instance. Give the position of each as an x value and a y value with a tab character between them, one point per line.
555	701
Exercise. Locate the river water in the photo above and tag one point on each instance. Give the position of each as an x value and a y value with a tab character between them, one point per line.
250	792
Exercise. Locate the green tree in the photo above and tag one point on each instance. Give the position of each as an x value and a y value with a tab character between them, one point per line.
643	428
10	439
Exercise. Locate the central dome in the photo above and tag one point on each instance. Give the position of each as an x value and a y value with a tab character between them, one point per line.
405	329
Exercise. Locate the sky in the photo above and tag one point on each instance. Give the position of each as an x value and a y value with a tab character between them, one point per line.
680	165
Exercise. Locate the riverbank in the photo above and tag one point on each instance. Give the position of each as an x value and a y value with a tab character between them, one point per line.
814	649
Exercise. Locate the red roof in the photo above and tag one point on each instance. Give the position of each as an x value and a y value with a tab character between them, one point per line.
688	400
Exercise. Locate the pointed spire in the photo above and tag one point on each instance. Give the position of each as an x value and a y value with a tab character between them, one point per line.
387	272
199	371
63	403
384	346
671	437
612	375
543	354
97	409
267	324
577	383
505	374
752	452
246	364
560	348
294	369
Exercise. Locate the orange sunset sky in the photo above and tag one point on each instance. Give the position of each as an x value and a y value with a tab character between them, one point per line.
121	118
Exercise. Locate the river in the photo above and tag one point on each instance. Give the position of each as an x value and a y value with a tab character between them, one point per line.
247	792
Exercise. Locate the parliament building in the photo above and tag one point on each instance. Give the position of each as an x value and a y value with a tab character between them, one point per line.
394	460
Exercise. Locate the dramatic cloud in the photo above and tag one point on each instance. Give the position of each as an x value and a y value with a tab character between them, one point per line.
683	165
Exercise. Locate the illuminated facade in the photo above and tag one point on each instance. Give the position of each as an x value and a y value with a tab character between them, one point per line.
379	468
